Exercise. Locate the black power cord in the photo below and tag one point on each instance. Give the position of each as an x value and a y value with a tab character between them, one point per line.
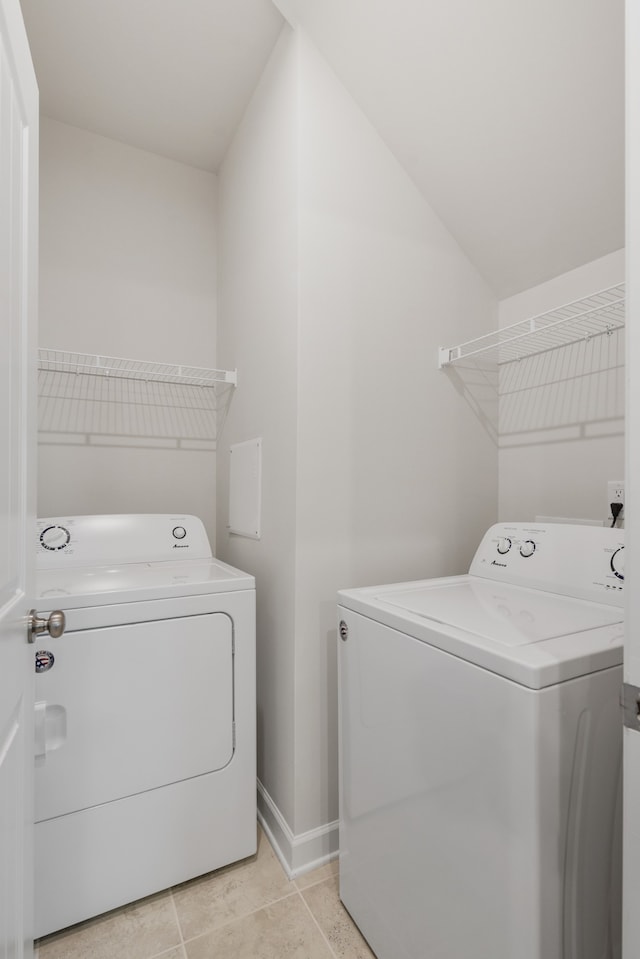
616	509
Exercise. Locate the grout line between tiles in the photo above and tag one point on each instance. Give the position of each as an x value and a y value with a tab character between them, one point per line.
166	952
321	930
175	912
312	885
245	915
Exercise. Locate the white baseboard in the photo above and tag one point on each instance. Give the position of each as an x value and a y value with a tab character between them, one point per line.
297	854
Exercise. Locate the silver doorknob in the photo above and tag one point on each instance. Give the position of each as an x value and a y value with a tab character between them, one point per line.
54	625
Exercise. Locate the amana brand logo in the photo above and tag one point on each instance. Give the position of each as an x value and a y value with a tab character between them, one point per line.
494	563
181	546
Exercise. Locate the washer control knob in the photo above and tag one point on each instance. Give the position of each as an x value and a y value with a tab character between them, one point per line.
528	548
179	532
617	563
504	545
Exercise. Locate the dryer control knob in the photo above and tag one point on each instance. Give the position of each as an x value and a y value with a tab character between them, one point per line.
617	563
528	548
55	537
504	545
179	532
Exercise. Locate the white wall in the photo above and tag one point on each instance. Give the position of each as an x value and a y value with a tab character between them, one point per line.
396	476
127	268
562	413
337	285
258	334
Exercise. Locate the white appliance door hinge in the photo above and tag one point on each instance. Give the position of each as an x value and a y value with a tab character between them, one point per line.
630	703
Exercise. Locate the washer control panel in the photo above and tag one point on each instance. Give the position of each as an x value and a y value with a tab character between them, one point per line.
108	539
582	561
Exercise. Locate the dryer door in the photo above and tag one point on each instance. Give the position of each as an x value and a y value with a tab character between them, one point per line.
130	708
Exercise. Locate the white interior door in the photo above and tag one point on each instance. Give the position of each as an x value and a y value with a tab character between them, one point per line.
18	289
631	875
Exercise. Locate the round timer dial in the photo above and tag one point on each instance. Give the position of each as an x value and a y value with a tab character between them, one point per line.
55	537
504	545
617	563
528	548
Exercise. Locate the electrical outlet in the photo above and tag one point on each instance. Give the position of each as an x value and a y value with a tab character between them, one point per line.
615	494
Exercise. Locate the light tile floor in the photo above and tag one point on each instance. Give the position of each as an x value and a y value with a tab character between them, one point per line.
249	910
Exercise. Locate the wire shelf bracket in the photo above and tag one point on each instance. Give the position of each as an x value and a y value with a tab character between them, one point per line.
595	315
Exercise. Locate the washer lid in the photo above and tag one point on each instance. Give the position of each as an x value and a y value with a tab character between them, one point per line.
134	582
509	615
530	636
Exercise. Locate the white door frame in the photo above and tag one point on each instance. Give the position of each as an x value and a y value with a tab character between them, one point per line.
631	844
18	322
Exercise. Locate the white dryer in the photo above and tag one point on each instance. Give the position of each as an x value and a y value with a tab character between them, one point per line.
145	712
481	741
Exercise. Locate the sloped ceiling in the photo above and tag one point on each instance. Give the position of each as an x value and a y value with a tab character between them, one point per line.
507	114
169	76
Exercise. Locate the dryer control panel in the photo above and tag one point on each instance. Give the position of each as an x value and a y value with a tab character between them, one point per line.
582	561
119	538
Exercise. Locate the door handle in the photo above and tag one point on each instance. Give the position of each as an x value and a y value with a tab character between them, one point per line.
50	728
54	625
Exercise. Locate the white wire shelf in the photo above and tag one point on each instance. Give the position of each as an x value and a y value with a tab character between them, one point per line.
595	315
59	361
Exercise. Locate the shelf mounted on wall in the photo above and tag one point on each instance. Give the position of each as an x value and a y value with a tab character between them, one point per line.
599	314
106	400
60	361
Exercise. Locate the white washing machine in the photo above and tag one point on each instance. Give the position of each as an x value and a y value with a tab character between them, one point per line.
481	740
145	712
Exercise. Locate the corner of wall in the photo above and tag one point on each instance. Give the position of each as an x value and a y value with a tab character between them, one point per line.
298	854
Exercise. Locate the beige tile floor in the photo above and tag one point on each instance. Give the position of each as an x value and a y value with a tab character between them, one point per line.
249	910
